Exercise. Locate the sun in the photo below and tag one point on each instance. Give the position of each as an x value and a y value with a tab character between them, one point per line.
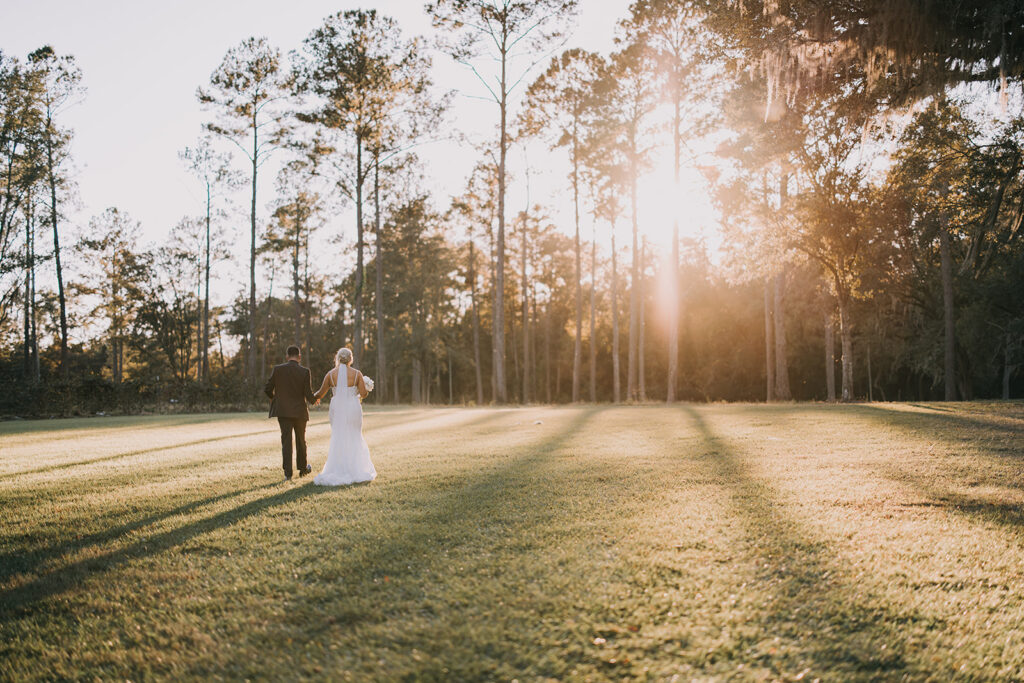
662	202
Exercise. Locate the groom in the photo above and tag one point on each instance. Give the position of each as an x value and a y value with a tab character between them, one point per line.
289	387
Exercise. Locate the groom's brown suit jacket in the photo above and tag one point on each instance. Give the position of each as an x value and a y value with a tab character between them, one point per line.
289	387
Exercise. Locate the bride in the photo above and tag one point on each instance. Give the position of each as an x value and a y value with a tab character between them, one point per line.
348	457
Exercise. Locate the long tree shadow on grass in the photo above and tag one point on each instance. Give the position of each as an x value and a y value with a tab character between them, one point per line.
20	600
270	446
488	502
493	506
143	451
948	423
20	561
833	625
184	444
203	460
925	419
134	423
995	441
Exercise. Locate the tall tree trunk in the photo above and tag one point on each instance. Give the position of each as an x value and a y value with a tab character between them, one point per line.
451	396
846	339
616	373
357	342
266	329
28	298
296	303
534	341
378	292
631	389
36	371
251	358
417	380
499	292
427	383
476	325
199	318
526	316
220	344
307	323
493	266
1008	368
673	270
515	348
27	346
964	385
115	321
115	360
33	327
948	315
547	352
782	391
204	363
593	315
577	347
51	173
558	378
640	348
871	381
769	342
830	358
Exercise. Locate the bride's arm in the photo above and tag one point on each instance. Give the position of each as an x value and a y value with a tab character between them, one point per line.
361	386
325	387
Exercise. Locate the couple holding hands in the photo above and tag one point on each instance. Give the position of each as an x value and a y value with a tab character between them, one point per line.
290	388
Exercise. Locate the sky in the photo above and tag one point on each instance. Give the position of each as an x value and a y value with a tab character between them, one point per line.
142	61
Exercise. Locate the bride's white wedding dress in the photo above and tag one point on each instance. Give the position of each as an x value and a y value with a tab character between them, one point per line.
348	456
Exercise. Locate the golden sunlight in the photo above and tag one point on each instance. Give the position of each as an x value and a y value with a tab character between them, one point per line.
662	201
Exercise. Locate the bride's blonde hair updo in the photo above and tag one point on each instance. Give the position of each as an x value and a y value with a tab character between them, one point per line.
343	356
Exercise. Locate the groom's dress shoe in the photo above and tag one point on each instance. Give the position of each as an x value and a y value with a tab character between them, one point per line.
306	470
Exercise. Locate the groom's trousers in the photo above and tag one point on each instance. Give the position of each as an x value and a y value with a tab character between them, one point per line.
298	426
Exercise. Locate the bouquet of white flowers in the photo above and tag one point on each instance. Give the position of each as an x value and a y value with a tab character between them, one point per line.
368	382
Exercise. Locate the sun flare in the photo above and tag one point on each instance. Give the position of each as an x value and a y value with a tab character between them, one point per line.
663	202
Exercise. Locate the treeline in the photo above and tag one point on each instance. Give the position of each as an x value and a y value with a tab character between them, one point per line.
871	214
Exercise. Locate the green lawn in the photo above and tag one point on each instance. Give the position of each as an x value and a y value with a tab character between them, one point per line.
585	543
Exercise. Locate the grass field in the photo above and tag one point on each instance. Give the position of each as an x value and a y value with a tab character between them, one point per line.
739	542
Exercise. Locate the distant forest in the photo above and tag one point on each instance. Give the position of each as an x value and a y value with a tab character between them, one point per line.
866	166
